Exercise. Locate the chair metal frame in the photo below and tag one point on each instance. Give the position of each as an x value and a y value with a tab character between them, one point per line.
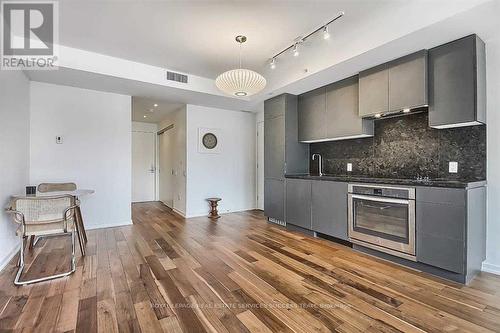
19	218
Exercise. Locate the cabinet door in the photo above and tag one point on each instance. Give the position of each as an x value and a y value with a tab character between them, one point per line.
408	81
441	228
274	199
274	107
453	83
274	148
298	202
374	91
329	208
312	111
342	110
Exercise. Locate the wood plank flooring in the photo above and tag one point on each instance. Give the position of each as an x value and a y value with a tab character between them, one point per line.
239	274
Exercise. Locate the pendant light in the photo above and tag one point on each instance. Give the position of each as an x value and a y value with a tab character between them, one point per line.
240	82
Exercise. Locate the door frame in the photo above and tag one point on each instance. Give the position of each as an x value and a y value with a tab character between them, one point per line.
258	148
157	181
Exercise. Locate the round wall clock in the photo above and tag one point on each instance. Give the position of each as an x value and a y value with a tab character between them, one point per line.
209	140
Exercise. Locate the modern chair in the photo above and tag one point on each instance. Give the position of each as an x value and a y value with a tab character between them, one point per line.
43	216
80	229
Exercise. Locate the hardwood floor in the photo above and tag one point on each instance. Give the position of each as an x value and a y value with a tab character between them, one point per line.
239	274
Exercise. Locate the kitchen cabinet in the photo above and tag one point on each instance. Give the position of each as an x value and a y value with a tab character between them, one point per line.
274	199
282	152
451	228
329	208
408	81
374	91
342	108
312	115
394	86
274	143
298	203
457	83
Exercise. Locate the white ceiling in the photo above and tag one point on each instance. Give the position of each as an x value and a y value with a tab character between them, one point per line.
144	109
197	37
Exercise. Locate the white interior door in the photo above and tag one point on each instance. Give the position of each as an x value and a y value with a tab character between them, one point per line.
260	165
143	166
166	168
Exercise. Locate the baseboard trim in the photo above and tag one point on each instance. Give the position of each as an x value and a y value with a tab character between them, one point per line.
5	261
178	212
107	225
220	213
491	268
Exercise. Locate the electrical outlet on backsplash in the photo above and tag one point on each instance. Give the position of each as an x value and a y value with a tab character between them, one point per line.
405	147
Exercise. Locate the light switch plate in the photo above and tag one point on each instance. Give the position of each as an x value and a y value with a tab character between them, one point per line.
453	167
59	139
349	167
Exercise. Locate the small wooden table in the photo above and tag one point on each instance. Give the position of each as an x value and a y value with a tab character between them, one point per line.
214	214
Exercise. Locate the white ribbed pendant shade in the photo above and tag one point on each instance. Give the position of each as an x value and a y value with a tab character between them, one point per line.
240	82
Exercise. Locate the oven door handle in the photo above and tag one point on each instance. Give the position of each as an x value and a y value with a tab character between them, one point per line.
380	199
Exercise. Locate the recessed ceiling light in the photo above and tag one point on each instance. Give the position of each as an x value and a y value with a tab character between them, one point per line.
145	116
156	105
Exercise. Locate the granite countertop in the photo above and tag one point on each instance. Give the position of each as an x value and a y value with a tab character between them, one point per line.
393	181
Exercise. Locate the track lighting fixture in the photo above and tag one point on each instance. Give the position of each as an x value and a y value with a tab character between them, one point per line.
295	46
326	33
273	63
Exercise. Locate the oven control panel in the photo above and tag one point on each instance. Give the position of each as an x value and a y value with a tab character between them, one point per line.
383	191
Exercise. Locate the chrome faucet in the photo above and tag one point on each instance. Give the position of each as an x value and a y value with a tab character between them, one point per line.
320	163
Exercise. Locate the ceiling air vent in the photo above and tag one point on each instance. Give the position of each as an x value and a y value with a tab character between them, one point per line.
177	77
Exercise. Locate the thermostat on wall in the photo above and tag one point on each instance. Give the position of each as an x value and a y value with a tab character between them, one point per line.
59	139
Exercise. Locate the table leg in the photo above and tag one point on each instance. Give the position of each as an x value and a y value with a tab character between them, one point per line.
32	243
80	221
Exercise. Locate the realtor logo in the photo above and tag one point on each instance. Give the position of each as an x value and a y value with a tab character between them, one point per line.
29	35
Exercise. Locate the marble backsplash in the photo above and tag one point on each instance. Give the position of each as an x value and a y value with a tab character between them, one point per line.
404	147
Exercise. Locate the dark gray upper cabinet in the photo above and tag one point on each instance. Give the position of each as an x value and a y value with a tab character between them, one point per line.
342	111
457	83
282	151
298	202
374	91
394	86
329	208
312	115
408	81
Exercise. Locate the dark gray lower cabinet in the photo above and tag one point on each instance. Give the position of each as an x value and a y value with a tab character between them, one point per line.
329	208
450	226
298	202
274	204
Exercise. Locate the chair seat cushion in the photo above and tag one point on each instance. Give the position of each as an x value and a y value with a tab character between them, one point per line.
41	229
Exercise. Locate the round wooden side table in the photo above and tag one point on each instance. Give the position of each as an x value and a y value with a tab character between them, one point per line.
214	214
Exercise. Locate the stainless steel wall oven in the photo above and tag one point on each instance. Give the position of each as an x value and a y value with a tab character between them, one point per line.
383	218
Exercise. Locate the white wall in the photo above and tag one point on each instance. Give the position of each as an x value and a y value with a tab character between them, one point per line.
96	152
14	152
230	174
178	119
492	36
